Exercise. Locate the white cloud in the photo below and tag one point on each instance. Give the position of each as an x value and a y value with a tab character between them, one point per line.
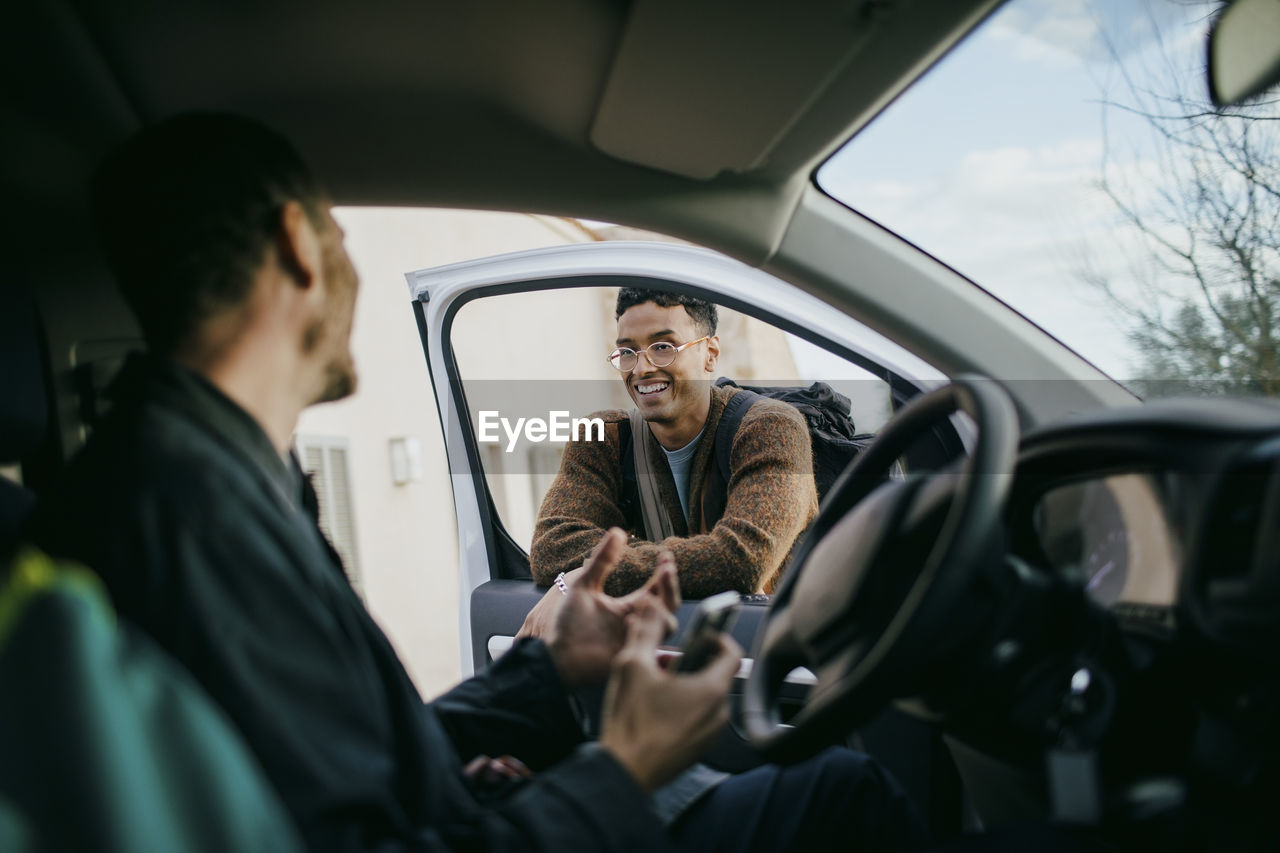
1028	224
1027	218
1054	32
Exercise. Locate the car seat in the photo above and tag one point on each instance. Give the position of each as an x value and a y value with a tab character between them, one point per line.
24	406
105	742
108	744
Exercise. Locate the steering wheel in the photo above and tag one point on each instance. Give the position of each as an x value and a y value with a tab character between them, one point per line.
874	596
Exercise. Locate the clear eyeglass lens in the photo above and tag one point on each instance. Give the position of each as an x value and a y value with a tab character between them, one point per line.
623	359
661	355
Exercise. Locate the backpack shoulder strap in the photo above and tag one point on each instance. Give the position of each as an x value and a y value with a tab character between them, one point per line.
715	494
626	454
730	419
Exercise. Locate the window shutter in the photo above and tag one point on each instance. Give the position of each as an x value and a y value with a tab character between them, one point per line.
325	460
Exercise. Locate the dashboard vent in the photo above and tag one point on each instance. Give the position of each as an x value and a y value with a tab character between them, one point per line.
1245	497
1239	559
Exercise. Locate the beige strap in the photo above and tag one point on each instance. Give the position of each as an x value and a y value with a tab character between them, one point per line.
657	524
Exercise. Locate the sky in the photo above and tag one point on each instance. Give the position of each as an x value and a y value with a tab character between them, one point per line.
991	162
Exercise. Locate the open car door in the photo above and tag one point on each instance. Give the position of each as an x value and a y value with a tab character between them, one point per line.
522	334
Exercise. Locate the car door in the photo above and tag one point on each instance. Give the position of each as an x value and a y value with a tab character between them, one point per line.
496	588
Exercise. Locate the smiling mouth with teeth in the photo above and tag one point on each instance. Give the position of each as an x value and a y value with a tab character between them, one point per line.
649	388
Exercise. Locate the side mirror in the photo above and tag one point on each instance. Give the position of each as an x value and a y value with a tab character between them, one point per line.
1244	51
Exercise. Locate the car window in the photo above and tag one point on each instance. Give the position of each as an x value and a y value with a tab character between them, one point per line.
1066	158
542	357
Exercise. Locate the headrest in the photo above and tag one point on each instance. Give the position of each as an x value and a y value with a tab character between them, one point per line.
24	407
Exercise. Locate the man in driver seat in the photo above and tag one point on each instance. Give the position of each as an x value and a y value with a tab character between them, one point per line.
725	536
189	503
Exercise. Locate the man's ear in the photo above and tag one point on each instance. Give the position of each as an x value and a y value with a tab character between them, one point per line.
713	353
298	245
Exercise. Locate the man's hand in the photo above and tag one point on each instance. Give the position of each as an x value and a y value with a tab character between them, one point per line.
656	722
586	628
539	621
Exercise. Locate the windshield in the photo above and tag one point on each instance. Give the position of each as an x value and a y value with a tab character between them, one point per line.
1066	158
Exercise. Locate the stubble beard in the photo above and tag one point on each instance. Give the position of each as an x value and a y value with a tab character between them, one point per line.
654	415
340	380
338	374
332	333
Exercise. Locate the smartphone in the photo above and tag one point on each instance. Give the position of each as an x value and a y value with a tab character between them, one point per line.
714	616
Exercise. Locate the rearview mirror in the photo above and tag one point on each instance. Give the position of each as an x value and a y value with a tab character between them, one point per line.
1244	51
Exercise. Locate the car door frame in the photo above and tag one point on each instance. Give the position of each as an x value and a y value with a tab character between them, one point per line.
486	552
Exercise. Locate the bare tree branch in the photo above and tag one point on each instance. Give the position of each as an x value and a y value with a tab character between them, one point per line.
1210	219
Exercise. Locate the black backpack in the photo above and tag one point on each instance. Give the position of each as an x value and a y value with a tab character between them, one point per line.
831	431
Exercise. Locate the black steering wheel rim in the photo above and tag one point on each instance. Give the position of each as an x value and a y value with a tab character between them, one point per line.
852	687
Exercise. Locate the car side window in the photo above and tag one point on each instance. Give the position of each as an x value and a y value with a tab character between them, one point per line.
533	367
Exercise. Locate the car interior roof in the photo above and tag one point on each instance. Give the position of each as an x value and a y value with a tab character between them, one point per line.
701	120
702	123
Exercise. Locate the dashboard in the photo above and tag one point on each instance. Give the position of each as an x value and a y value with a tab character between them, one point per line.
1117	533
1145	543
1172	507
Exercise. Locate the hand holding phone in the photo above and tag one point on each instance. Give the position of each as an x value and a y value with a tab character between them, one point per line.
714	616
656	721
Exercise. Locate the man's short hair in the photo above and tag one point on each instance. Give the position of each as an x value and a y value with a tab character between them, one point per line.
187	211
702	311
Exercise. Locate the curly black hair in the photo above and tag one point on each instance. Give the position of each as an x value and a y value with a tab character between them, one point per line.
702	311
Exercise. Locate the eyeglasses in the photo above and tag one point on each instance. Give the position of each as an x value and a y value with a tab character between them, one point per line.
660	354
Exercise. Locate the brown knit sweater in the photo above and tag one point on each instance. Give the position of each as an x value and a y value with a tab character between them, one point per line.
771	499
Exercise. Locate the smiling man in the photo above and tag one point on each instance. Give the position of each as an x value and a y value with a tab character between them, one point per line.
726	536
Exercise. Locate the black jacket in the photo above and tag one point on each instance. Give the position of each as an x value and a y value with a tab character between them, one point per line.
202	534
